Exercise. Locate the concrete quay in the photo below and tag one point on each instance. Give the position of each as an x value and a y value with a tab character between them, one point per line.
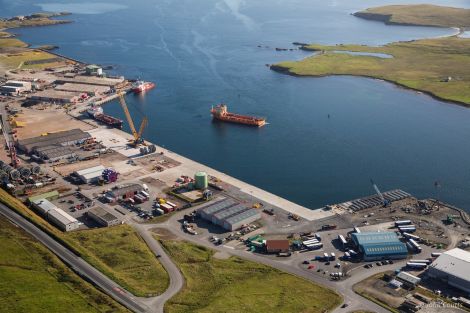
117	140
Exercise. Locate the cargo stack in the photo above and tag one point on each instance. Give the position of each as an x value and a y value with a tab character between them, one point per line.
110	175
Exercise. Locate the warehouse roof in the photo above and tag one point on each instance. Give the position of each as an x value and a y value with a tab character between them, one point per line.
226	213
375	237
55	151
455	262
89	170
407	277
44	205
75	134
62	216
379	243
218	206
103	214
242	216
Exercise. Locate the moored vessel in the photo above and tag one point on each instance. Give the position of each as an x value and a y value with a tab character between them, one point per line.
220	112
141	86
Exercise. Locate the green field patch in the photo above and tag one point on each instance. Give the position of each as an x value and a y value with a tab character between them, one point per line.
121	254
425	65
32	279
236	285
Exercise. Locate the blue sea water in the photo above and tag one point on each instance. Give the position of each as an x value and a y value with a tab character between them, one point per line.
326	136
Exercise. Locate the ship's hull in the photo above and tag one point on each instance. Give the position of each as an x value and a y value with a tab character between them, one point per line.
143	87
109	120
240	119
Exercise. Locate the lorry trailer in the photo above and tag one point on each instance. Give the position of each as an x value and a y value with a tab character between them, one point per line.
402	222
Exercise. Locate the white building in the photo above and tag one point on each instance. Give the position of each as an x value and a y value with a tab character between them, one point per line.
43	206
63	220
90	175
452	267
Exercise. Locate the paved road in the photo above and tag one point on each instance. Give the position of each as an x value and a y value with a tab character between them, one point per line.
77	264
344	287
176	278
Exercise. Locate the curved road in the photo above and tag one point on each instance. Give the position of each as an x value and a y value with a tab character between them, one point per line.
176	278
77	264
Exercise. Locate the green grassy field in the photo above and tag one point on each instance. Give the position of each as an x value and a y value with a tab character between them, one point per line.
122	255
420	65
17	59
420	14
235	285
118	251
32	279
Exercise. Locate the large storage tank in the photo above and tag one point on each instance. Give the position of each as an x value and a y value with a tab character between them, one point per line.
201	181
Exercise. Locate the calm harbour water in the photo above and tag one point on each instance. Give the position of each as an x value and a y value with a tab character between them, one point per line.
202	52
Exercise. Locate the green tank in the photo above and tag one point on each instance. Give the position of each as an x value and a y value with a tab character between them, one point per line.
201	181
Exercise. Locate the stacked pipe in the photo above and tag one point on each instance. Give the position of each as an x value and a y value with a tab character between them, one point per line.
14	174
24	171
36	169
3	176
152	149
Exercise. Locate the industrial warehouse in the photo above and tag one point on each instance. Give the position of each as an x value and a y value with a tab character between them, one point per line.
453	268
229	214
103	217
56	96
380	245
56	216
63	138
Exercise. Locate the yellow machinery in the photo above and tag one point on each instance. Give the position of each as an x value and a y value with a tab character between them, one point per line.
137	134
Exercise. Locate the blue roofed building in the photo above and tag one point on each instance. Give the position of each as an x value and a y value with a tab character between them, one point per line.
376	246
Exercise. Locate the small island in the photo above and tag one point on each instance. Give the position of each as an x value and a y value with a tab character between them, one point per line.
439	66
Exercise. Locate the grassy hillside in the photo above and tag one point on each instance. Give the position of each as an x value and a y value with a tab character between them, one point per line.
421	65
235	285
118	252
122	255
33	280
421	14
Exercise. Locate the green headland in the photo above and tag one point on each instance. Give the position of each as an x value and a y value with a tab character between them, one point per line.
439	67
